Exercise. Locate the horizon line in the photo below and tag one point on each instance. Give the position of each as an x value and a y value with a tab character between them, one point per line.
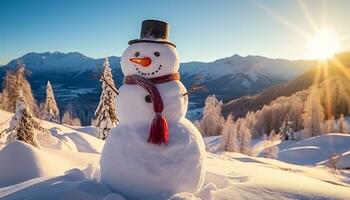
235	54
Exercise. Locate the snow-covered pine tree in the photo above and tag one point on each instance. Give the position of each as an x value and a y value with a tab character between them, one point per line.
286	131
212	121
251	121
50	112
69	119
229	141
244	136
343	126
271	146
330	126
22	125
14	82
245	142
295	112
105	117
313	115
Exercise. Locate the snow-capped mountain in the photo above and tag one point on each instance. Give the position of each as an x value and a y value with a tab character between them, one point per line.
251	66
60	62
72	77
238	76
240	106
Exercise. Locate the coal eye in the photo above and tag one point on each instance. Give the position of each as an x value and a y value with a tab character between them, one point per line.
156	54
137	54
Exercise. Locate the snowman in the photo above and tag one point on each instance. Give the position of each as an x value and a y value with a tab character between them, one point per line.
155	151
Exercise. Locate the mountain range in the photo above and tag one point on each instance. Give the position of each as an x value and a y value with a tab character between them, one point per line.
73	77
240	106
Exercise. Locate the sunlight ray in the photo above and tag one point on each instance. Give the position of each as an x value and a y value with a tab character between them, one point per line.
328	109
282	20
324	13
345	94
344	38
307	15
318	73
342	67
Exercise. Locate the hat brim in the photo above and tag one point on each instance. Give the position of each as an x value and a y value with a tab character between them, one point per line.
151	41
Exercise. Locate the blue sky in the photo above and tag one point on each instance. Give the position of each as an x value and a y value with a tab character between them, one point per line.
202	30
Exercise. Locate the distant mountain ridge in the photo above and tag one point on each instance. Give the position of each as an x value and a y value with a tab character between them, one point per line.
240	106
61	62
71	75
249	65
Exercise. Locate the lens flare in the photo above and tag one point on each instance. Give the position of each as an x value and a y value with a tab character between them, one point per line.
323	45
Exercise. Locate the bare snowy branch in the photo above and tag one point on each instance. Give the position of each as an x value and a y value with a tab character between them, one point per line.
197	85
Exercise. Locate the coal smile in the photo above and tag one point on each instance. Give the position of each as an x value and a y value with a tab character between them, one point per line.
148	73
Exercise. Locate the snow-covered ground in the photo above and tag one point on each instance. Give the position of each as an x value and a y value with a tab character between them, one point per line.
67	167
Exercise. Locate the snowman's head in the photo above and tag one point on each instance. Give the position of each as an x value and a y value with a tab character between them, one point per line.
150	60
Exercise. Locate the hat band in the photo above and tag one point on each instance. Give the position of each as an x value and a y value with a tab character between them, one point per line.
151	41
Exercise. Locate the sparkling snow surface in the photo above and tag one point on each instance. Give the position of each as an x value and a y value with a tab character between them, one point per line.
56	172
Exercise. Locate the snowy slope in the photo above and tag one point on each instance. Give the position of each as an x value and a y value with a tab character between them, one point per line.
62	173
33	163
236	177
312	151
244	177
315	150
62	137
251	66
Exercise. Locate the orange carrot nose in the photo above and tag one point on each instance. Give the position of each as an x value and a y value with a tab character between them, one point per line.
144	62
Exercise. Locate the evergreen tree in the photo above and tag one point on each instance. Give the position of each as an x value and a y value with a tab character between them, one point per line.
212	121
286	131
51	112
245	142
295	112
251	121
22	125
330	126
69	119
313	115
14	82
271	146
105	117
244	136
343	126
229	141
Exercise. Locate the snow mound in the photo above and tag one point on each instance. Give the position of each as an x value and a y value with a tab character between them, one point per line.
61	137
229	175
72	185
314	150
91	130
58	172
245	177
31	162
341	161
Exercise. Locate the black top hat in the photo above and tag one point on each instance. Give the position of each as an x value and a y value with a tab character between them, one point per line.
154	31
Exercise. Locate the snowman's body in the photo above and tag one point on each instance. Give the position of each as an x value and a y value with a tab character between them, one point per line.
141	170
131	101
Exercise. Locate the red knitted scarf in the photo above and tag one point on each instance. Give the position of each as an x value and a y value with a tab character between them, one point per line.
159	127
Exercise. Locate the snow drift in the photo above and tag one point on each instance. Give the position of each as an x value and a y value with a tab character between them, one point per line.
27	172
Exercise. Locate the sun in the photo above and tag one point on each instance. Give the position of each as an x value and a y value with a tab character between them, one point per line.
323	45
